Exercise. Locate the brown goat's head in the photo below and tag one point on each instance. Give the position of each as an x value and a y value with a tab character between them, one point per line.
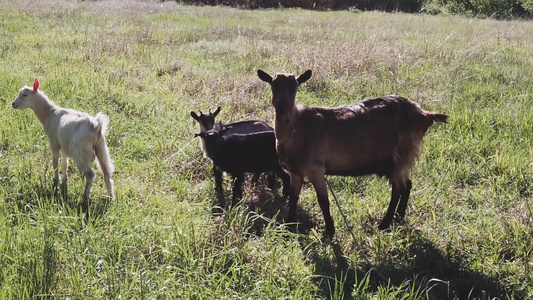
206	121
284	87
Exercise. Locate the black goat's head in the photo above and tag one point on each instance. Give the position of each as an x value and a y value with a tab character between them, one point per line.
206	121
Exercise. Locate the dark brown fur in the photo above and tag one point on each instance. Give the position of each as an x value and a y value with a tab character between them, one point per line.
376	136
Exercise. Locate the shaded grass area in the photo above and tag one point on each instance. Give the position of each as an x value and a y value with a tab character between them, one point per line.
147	64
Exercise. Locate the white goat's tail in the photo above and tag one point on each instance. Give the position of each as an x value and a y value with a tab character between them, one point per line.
102	153
103	122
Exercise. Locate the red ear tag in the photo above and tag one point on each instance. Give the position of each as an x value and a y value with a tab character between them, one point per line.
35	84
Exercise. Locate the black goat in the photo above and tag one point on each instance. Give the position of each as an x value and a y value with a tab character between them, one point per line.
207	121
237	154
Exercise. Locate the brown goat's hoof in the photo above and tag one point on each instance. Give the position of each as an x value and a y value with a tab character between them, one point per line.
329	234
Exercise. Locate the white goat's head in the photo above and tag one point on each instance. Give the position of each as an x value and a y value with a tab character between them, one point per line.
27	96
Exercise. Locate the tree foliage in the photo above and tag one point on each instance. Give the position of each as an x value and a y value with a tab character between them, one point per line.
478	8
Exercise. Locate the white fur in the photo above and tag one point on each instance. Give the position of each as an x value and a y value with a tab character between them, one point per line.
72	134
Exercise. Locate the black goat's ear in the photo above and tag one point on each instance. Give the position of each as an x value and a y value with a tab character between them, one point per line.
217	111
304	77
201	134
195	116
264	76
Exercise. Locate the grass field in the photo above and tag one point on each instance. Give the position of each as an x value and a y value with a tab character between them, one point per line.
469	223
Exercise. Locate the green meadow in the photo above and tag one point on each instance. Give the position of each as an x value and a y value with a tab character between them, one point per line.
469	224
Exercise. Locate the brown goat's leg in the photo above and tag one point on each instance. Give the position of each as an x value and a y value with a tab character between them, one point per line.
286	179
404	196
271	178
319	183
237	188
395	197
296	186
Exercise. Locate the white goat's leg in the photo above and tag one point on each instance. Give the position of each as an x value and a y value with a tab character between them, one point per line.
109	185
89	178
64	167
85	170
55	164
106	165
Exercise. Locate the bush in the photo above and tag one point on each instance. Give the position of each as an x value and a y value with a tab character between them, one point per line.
478	8
527	5
485	8
386	5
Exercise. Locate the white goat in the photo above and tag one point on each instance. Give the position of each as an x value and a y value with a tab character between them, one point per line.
75	134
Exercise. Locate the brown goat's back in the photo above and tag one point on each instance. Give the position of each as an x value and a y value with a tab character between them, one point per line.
376	136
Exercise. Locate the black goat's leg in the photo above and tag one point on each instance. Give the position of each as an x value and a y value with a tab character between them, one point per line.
218	186
237	188
404	197
395	197
255	178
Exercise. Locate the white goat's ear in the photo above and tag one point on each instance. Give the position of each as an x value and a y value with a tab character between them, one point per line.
264	76
304	77
35	84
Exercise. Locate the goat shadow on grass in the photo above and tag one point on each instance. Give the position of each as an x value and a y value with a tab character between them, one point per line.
44	194
271	205
438	274
40	194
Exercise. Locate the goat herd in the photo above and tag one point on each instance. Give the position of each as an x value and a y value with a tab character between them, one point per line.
379	136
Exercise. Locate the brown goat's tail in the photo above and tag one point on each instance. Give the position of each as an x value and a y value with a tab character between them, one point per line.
436	117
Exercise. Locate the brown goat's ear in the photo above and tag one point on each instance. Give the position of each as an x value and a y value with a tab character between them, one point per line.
217	111
195	116
304	77
264	76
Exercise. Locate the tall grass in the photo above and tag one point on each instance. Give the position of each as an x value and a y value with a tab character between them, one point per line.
147	64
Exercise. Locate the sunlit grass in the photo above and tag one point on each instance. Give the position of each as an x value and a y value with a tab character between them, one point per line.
148	64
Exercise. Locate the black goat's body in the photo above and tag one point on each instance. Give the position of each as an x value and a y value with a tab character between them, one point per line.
244	127
237	154
207	122
253	152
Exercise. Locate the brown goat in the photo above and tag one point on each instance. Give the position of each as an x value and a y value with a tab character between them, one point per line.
379	136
